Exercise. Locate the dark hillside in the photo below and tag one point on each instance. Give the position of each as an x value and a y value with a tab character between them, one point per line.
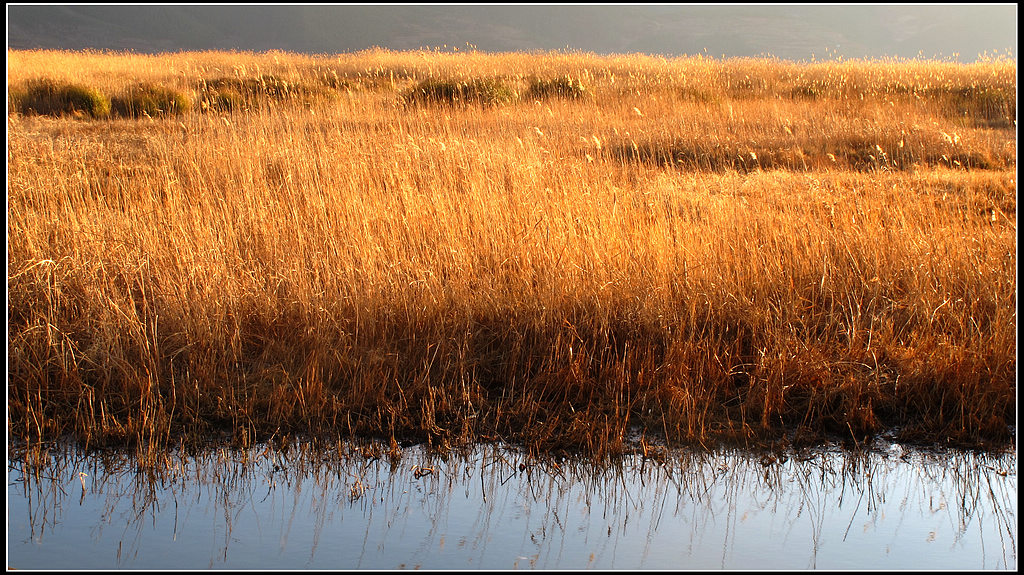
788	32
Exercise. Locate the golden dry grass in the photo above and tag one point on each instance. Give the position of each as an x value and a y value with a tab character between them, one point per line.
698	250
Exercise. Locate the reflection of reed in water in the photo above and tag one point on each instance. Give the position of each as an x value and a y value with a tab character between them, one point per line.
498	508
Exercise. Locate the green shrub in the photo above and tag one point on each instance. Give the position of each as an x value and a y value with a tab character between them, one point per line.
150	100
50	98
564	87
486	92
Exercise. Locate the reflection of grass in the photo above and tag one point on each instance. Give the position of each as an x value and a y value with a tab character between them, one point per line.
313	481
532	272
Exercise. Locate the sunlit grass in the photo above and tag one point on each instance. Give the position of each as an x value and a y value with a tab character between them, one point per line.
742	250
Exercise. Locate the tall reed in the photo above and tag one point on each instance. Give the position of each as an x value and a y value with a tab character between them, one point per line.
699	250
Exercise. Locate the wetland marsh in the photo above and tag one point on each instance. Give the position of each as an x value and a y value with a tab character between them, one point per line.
542	249
622	260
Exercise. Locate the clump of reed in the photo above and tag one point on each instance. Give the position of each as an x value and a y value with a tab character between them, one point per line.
845	151
699	95
478	91
150	100
236	93
51	98
561	87
989	106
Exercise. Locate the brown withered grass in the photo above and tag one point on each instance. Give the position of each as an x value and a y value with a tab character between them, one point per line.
688	249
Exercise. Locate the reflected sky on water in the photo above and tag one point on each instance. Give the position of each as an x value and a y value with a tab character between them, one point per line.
495	508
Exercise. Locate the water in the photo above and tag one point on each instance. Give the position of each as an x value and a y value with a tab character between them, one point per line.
495	508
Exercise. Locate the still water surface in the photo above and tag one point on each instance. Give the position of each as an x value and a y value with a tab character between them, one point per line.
495	508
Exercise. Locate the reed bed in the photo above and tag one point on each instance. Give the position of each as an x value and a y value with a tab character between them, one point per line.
682	250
